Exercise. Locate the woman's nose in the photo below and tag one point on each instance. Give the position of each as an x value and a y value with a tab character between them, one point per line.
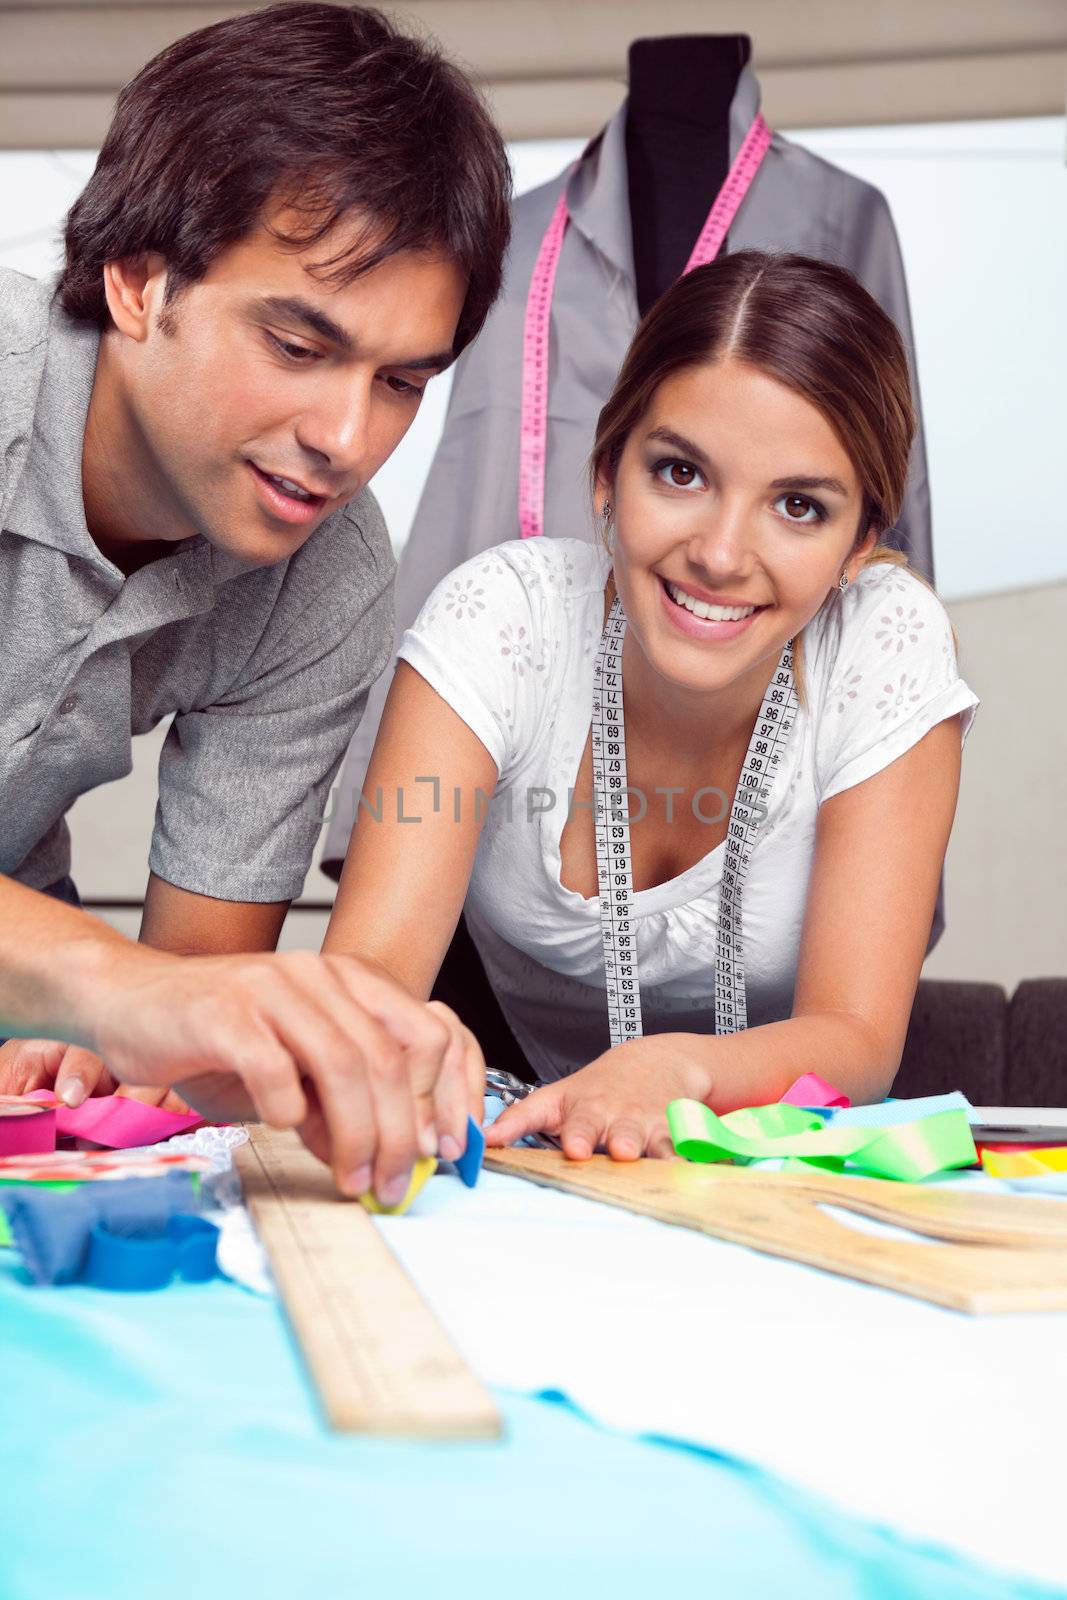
722	541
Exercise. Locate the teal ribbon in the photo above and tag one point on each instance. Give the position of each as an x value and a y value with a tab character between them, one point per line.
907	1152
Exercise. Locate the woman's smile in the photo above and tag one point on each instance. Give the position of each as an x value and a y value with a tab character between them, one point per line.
704	620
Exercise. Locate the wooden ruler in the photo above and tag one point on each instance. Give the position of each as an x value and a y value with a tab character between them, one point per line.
999	1252
380	1360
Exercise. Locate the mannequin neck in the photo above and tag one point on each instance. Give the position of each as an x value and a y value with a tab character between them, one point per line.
689	79
677	147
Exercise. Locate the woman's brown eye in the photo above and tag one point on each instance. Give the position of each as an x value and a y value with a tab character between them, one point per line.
681	474
796	505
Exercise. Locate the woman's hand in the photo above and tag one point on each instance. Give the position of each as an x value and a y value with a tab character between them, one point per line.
618	1103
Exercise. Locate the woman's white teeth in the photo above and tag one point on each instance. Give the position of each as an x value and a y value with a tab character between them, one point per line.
709	613
289	487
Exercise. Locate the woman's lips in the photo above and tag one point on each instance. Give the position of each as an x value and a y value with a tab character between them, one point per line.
285	507
703	628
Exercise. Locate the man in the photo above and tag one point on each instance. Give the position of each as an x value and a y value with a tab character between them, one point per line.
298	216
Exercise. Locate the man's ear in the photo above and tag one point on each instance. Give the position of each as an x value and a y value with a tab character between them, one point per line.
134	288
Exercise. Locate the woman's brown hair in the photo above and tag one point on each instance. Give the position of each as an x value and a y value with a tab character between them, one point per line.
815	329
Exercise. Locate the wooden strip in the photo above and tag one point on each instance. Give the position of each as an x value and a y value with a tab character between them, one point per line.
380	1360
1024	1268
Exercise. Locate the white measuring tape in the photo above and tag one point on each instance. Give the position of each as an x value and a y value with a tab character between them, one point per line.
614	865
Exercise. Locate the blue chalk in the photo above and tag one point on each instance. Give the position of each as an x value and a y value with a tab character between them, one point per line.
470	1162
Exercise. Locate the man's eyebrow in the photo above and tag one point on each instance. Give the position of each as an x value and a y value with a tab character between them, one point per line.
291	308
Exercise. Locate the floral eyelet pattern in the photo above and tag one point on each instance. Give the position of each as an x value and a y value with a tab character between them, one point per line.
517	648
899	629
845	690
464	599
899	697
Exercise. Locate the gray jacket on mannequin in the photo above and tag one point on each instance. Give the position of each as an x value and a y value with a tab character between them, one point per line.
798	202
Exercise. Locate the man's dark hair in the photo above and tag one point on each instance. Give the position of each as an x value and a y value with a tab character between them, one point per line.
325	108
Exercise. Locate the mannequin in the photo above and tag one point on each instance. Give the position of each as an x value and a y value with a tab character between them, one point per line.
677	147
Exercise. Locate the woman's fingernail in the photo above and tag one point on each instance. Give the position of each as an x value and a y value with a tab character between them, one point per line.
394	1191
427	1140
358	1182
72	1093
450	1150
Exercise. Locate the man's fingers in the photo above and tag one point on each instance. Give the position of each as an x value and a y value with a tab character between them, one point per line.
474	1072
385	1000
81	1074
361	1076
267	1066
313	1129
540	1112
450	1094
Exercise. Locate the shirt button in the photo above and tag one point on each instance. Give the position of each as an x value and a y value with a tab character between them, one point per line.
68	705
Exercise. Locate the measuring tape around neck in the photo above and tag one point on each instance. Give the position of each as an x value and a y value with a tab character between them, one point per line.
613	859
533	421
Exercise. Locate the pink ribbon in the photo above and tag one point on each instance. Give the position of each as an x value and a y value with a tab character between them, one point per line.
112	1120
811	1090
25	1130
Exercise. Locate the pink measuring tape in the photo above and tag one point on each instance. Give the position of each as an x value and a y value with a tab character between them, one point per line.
533	424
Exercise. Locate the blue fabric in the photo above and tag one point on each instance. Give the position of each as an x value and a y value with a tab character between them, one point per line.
52	1228
166	1445
890	1113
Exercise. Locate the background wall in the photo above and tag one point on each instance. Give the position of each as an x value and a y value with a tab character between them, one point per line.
980	208
554	67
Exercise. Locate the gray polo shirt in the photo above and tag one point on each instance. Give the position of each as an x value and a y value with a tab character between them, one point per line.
266	669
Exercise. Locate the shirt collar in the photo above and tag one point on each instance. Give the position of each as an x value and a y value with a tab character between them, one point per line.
48	507
598	196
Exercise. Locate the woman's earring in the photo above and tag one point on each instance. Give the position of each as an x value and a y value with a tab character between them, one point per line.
842	582
607	511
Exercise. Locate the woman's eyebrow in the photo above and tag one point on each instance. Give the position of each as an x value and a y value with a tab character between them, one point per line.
679	442
831	485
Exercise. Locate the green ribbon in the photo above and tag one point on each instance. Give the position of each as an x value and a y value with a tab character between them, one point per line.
908	1152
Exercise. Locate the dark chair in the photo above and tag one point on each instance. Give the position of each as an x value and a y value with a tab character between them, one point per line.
999	1051
1037	1044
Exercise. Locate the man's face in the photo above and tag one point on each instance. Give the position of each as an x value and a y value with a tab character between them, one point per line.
262	398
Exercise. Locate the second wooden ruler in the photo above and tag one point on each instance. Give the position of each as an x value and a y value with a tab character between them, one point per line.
997	1252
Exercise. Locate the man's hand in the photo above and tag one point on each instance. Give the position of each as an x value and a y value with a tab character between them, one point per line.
328	1044
618	1103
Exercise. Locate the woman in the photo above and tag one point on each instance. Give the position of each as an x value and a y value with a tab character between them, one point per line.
753	451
